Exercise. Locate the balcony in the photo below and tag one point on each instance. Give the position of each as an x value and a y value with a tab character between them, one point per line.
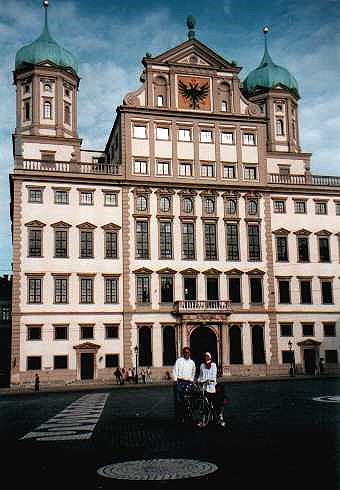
202	307
303	179
68	167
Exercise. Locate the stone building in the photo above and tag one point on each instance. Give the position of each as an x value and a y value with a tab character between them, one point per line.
5	329
198	224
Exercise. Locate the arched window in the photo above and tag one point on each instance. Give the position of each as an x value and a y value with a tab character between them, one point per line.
230	206
160	91
252	207
144	341
224	97
47	110
169	345
209	206
279	127
67	114
141	203
164	204
188	205
47	87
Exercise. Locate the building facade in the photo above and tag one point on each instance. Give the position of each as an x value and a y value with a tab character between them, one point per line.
198	224
5	329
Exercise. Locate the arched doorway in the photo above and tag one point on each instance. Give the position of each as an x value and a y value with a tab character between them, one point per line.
203	339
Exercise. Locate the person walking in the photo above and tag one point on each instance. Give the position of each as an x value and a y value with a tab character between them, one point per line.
183	374
143	375
129	375
36	382
149	374
122	381
118	376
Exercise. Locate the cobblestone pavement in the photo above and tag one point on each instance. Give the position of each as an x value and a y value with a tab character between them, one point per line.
280	437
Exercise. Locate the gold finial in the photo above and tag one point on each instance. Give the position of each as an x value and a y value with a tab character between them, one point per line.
265	29
45	3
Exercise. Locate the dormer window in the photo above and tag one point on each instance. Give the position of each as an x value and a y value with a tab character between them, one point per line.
47	87
160	100
47	110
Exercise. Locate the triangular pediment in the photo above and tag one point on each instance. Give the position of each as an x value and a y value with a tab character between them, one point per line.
61	224
143	270
234	272
255	272
303	232
166	270
309	343
190	272
35	224
323	233
86	226
194	53
111	227
212	272
281	231
86	346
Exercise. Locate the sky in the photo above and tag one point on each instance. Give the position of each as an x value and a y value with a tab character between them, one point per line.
110	37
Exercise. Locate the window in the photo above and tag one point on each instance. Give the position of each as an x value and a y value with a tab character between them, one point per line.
67	92
86	244
47	110
184	135
337	208
48	156
208	170
86	290
326	292
67	114
60	197
111	331
249	139
187	205
35	195
34	333
86	198
308	329
163	168
252	207
279	127
33	363
300	207
27	111
229	171
111	290
254	249
224	106
279	206
210	241
329	330
111	360
111	245
282	249
231	206
188	240
86	332
185	169
139	131
141	203
209	206
232	242
27	88
164	204
324	252
60	290
320	208
60	332
234	286
279	107
190	288
60	362
167	289
250	173
142	239
306	291
34	290
140	167
5	313
256	295
303	249
143	289
205	136
165	240
34	243
286	329
47	87
331	356
227	137
60	243
110	199
160	100
162	133
212	285
284	291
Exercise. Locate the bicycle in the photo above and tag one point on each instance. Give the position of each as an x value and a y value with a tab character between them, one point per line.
204	411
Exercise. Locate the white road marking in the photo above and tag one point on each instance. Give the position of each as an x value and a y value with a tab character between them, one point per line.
77	421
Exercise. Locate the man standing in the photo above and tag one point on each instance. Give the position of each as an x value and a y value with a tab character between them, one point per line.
183	374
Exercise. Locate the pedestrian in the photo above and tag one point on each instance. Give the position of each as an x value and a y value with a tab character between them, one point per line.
208	374
122	381
37	382
183	374
143	375
118	376
129	375
321	366
149	374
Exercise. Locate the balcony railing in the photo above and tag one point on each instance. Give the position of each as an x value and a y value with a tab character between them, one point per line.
302	179
199	306
69	167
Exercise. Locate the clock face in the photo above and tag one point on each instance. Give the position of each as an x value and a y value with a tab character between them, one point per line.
193	93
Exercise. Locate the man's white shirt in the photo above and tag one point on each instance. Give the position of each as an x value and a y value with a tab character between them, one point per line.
184	369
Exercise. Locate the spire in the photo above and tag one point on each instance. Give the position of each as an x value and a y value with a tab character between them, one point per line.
191	22
266	59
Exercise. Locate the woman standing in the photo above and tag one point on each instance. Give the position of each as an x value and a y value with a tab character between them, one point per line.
208	372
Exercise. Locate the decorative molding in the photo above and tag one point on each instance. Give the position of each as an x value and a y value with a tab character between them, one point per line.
281	231
111	227
189	272
323	233
35	224
211	272
142	270
302	232
86	226
166	270
61	224
255	272
234	272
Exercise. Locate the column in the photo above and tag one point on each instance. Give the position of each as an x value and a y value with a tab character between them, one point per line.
157	347
246	344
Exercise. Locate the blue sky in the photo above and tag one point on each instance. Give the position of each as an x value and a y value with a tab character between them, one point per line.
110	37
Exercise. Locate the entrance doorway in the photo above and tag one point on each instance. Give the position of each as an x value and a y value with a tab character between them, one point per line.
202	340
86	365
309	357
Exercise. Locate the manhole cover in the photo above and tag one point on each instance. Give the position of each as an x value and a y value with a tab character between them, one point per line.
157	469
327	399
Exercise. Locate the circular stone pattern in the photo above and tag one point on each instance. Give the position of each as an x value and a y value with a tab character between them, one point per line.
327	399
157	469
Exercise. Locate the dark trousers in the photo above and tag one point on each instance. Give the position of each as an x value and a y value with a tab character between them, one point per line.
180	388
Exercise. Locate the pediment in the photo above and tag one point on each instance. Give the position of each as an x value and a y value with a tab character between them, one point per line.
255	272
86	226
166	270
190	272
302	232
111	227
142	270
194	53
35	224
233	272
309	343
61	224
212	272
281	231
87	346
323	233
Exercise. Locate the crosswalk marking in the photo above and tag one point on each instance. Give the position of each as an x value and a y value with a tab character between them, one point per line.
75	422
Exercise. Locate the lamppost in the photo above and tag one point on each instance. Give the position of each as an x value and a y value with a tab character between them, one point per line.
136	354
291	359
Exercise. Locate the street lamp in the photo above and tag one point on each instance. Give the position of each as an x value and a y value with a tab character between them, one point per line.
136	354
291	360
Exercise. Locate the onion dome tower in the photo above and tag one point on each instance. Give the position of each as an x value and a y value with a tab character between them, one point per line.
276	91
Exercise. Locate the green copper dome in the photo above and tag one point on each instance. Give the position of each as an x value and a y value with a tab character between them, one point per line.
269	75
45	48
